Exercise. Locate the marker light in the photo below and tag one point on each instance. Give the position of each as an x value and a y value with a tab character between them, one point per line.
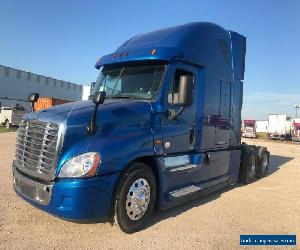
84	165
98	60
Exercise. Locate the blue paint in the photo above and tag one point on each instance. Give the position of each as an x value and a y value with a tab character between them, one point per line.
80	199
202	136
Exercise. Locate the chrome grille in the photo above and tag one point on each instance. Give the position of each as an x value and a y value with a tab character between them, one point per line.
249	130
36	148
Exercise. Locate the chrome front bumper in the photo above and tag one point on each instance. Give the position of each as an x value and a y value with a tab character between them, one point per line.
248	135
32	189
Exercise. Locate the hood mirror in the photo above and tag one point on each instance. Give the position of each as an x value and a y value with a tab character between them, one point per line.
98	99
33	97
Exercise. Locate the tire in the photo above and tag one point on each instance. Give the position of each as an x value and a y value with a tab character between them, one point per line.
263	162
248	164
7	124
136	188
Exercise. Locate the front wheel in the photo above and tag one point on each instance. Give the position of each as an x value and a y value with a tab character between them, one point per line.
135	198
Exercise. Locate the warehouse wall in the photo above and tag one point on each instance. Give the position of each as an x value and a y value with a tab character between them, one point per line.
16	85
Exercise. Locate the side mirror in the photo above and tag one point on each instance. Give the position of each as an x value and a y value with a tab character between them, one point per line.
99	97
92	86
33	97
185	91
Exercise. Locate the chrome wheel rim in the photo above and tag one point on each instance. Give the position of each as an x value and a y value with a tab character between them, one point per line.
138	199
252	167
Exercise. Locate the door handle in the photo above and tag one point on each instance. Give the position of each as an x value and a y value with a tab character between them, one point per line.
192	137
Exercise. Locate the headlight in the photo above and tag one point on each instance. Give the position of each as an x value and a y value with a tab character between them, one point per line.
84	165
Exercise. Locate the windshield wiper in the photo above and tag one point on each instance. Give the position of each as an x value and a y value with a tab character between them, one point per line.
121	96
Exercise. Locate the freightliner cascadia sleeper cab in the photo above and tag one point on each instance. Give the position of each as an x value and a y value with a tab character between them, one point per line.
163	126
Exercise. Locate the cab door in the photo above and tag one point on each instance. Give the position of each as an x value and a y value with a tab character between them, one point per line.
178	122
178	125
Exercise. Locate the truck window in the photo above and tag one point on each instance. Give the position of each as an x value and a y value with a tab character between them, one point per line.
174	86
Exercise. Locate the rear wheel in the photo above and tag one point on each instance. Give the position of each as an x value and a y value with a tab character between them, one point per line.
248	165
135	199
7	124
263	162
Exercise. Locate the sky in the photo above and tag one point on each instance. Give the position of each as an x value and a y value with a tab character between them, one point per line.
63	39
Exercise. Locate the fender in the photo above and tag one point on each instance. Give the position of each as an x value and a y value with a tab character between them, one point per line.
131	143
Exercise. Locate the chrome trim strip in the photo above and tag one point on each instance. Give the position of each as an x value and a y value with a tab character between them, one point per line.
176	161
181	168
184	191
195	188
40	187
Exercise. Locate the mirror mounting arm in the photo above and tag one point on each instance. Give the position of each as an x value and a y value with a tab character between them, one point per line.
32	107
92	127
98	98
172	114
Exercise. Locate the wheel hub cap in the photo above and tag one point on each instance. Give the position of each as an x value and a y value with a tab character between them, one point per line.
252	168
265	162
138	199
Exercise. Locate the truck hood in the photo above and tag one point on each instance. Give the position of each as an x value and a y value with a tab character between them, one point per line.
80	113
113	117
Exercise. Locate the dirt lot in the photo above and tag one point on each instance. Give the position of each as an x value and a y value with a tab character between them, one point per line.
268	206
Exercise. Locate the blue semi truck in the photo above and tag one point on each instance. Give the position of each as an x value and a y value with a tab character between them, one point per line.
162	127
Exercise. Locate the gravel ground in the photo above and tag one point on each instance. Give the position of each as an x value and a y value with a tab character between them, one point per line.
267	206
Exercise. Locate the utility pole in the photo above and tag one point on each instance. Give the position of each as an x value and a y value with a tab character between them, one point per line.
297	107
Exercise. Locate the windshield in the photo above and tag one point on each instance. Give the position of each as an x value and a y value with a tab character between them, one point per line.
130	81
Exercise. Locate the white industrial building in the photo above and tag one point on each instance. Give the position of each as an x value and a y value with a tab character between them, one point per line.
86	91
16	85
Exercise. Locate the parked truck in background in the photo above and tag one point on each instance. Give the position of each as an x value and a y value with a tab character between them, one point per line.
296	129
11	116
162	127
262	126
279	127
249	128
